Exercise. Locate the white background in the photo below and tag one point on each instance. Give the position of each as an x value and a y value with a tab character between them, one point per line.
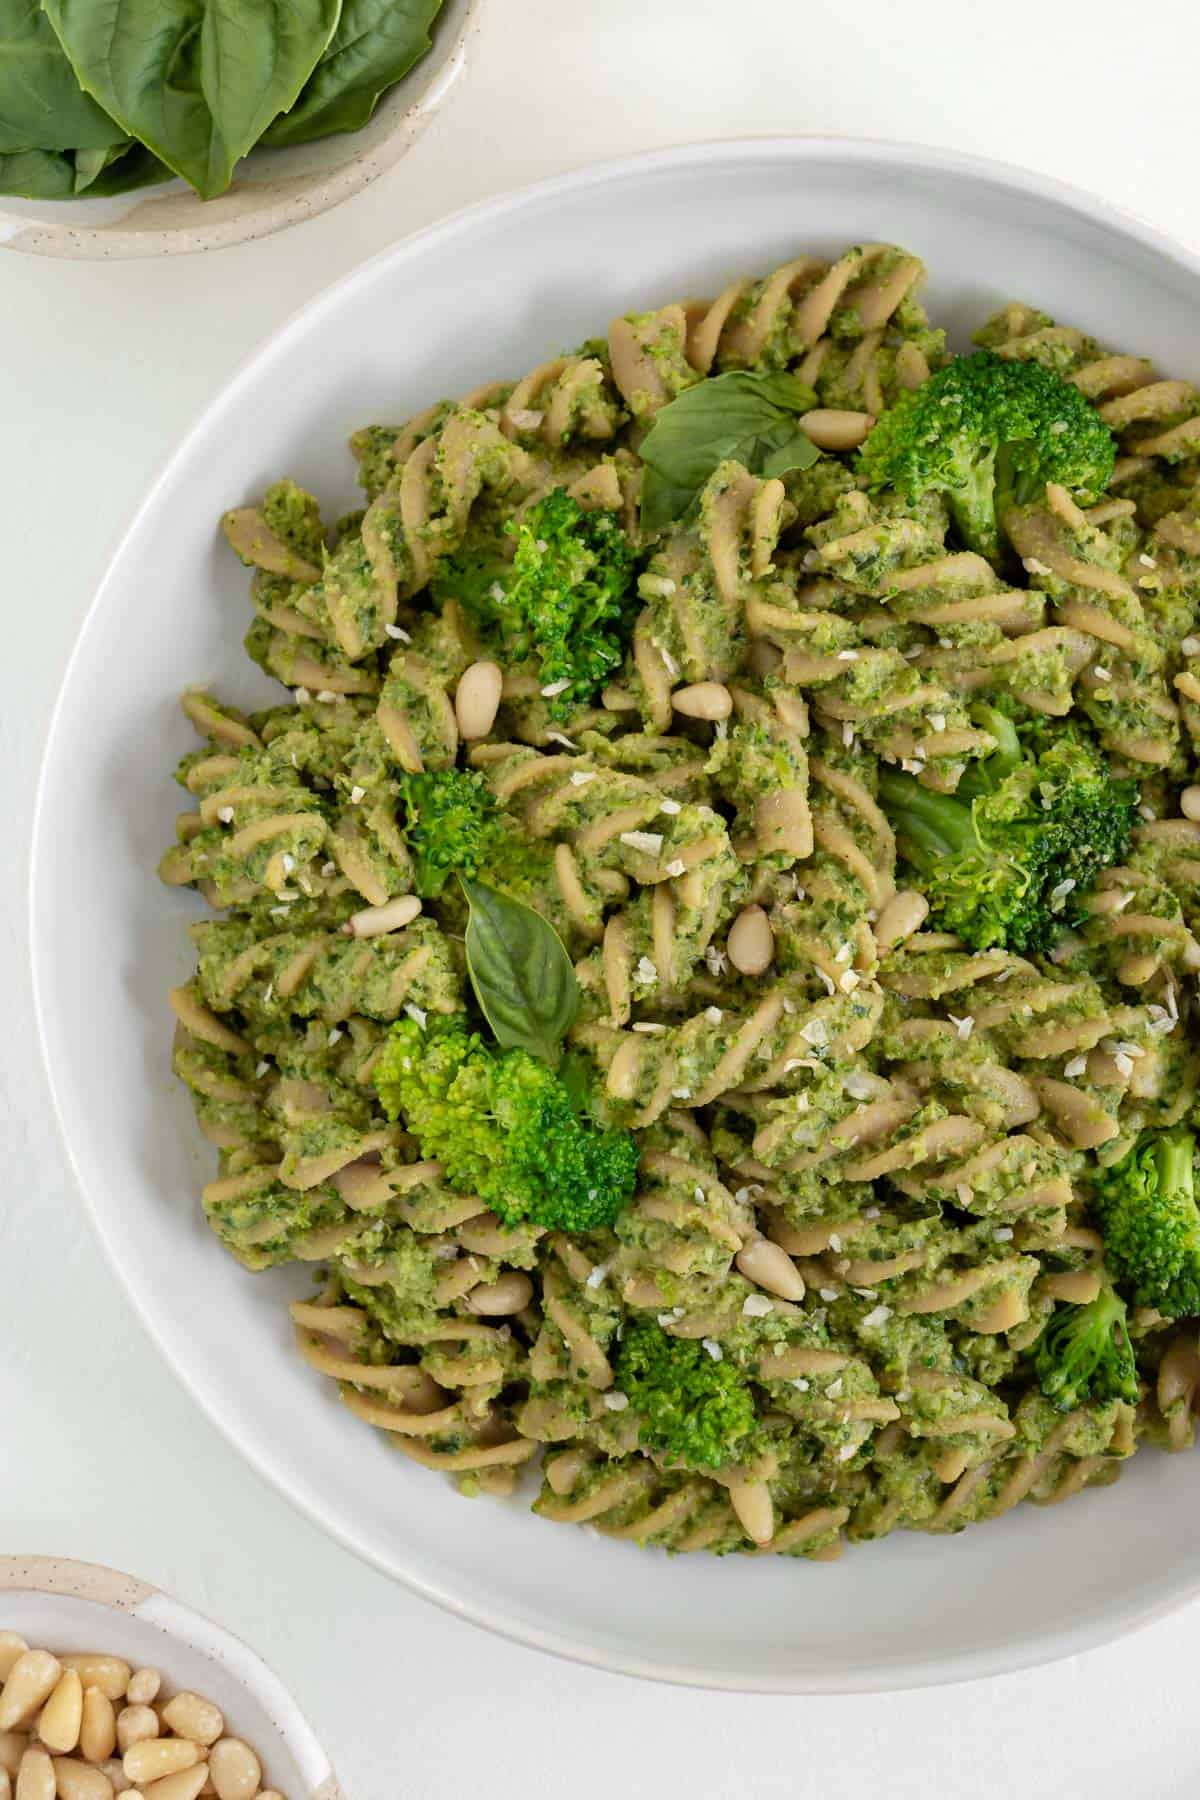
101	367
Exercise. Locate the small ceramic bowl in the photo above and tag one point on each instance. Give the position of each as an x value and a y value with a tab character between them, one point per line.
74	1606
273	189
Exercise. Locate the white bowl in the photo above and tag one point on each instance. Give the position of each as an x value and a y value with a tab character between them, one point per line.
491	291
68	1606
273	189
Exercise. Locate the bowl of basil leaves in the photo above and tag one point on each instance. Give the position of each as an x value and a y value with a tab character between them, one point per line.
151	127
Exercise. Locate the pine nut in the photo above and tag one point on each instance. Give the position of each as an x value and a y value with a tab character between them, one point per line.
903	914
11	1646
832	429
1189	803
751	1501
32	1679
374	921
5	1785
108	1673
79	1781
477	699
191	1716
703	700
121	1783
135	1724
182	1786
152	1758
270	1794
35	1777
62	1715
511	1293
144	1687
13	1745
98	1730
751	942
234	1770
770	1267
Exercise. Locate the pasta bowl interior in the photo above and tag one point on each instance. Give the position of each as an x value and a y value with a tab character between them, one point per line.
556	264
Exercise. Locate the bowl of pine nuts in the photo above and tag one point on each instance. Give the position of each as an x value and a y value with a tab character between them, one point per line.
108	1686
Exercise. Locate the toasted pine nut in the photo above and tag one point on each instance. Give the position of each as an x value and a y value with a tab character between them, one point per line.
5	1785
35	1777
769	1267
751	942
373	921
108	1673
144	1687
11	1646
79	1781
191	1716
832	429
477	699
13	1745
135	1724
1189	803
703	700
903	914
98	1730
152	1758
62	1715
751	1501
182	1786
32	1679
510	1293
234	1770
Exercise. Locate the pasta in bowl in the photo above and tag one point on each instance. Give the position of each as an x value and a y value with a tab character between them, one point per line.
924	1606
703	949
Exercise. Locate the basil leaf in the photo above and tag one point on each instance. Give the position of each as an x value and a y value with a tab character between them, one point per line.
375	44
134	167
197	81
37	175
522	975
42	105
740	416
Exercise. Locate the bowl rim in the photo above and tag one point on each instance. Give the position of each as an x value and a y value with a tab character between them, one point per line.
922	1670
65	1578
377	151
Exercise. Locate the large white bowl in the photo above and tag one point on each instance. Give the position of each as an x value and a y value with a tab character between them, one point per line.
495	290
72	1607
273	189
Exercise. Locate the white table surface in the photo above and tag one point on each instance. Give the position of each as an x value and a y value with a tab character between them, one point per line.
101	367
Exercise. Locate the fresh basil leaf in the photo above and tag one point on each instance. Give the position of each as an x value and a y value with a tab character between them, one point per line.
135	167
37	175
42	105
375	44
91	164
197	81
522	975
741	416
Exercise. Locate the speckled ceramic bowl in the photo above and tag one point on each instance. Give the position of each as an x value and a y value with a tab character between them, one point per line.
74	1606
273	189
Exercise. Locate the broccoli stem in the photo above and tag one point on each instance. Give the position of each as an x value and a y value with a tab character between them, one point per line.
1175	1166
972	505
930	826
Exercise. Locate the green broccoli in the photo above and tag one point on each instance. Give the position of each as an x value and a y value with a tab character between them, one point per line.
505	1127
564	603
691	1407
989	433
449	826
1146	1208
1085	1354
1007	858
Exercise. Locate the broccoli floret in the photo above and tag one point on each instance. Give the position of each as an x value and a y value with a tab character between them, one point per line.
1007	859
505	1127
1085	1354
449	826
690	1408
989	433
1146	1207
